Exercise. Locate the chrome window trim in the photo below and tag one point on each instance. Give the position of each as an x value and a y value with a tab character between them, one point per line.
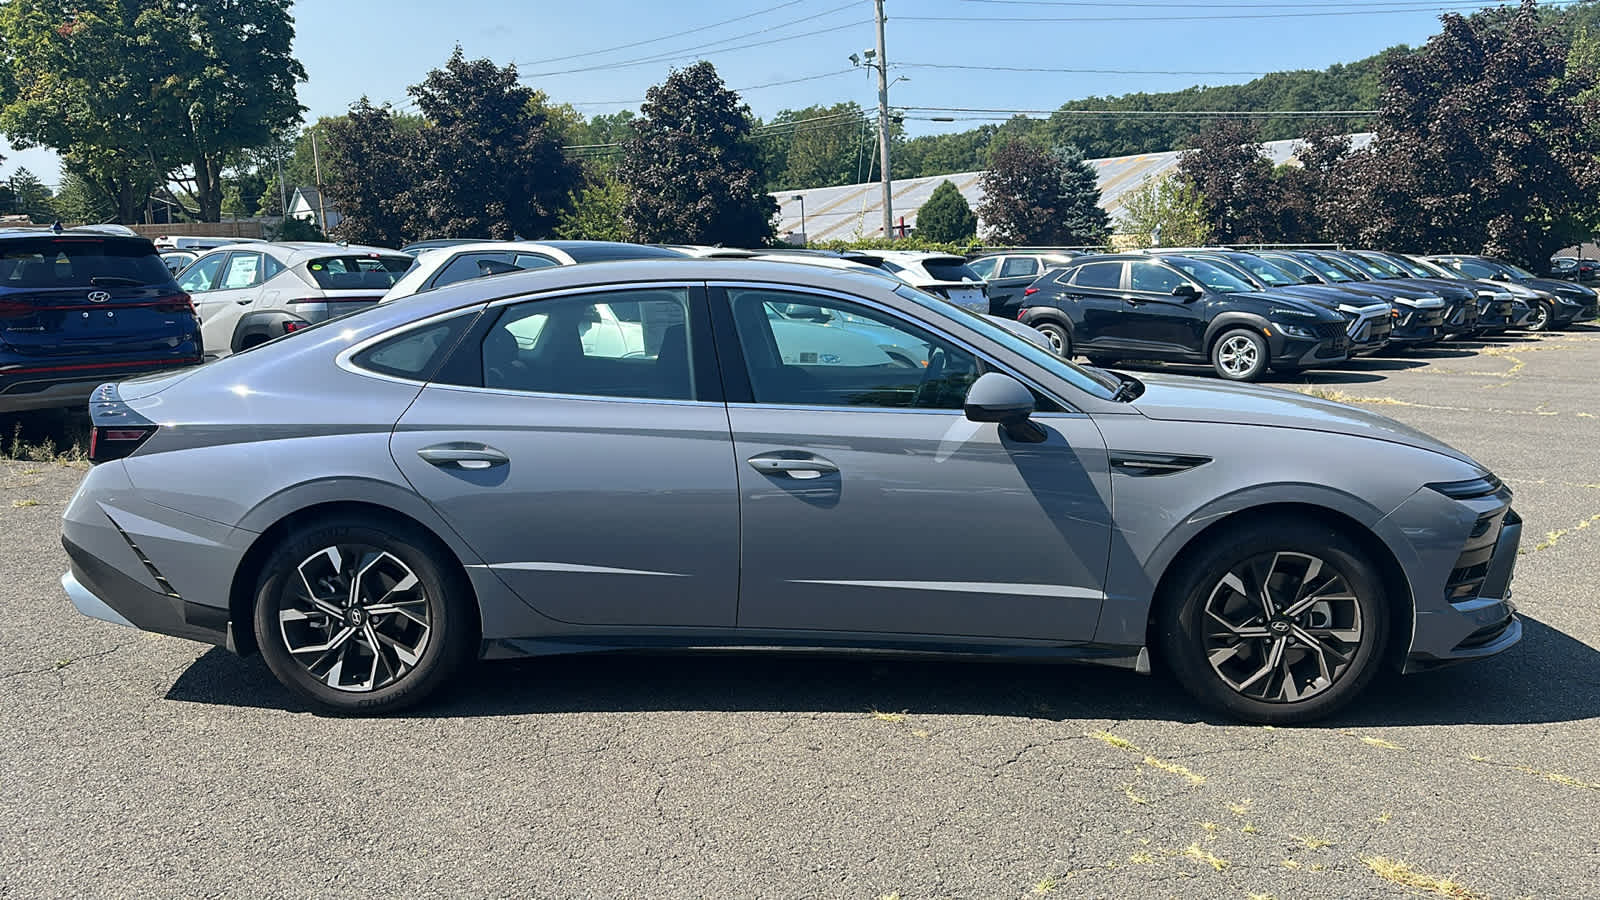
588	398
345	358
896	313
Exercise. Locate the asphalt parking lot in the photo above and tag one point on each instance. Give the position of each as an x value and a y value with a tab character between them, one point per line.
139	765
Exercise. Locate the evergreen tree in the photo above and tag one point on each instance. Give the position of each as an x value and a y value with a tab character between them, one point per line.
946	217
31	198
691	169
1038	197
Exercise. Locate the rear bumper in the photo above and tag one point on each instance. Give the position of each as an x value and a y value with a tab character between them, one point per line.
102	592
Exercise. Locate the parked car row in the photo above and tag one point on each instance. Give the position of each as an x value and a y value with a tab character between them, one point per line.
1282	310
1574	268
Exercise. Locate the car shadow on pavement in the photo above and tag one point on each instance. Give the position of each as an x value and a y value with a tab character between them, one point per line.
1548	678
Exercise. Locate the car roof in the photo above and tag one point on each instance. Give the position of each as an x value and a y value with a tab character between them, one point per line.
38	231
293	252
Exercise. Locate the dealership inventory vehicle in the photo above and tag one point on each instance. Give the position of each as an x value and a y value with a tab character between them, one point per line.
248	294
1419	315
83	305
1181	309
1461	316
178	260
941	274
1565	267
1561	303
1370	318
1009	274
436	490
439	266
1502	305
1495	311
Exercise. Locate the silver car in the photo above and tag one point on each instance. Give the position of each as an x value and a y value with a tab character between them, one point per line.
376	500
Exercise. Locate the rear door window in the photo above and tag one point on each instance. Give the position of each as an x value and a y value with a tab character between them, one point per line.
242	270
1099	275
984	268
1019	267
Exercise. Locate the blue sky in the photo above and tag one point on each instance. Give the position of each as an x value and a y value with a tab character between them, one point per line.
355	47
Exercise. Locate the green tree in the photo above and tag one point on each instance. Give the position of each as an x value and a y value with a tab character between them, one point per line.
293	229
691	168
1482	146
242	193
374	161
491	164
1038	197
1231	171
78	201
229	84
31	198
946	216
1166	211
818	146
595	213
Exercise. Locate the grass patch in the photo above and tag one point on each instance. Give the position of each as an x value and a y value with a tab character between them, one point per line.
1174	769
21	504
1551	538
1395	871
889	716
1045	885
1121	743
1380	742
1200	854
1312	843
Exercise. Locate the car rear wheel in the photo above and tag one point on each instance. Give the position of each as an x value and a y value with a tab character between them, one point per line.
1240	355
1282	621
356	616
1540	320
1060	341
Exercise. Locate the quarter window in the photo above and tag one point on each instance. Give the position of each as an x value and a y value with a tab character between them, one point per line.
416	353
632	344
806	350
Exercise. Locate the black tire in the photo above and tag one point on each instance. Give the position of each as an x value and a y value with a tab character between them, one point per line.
1060	340
1189	635
1104	362
436	629
1540	320
1240	354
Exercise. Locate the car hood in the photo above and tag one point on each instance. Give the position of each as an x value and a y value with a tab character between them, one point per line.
1553	286
1179	399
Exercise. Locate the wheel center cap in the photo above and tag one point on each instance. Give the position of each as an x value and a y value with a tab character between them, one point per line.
355	617
1279	626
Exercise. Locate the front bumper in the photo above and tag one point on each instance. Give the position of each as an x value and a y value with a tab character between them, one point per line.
1462	317
1461	578
1418	325
1305	353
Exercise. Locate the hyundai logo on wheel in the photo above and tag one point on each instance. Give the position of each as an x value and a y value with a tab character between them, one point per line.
99	296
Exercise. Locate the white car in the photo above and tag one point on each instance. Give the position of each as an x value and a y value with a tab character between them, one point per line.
941	274
199	244
438	266
248	294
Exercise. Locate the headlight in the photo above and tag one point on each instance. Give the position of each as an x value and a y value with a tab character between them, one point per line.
1297	331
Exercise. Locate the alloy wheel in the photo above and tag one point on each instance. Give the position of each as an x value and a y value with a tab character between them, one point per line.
1541	318
355	617
1238	355
1282	627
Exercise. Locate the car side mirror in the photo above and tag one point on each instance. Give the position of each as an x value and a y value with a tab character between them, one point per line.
996	397
1186	292
1311	279
1502	276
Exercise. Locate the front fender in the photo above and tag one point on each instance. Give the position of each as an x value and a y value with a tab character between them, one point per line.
1234	319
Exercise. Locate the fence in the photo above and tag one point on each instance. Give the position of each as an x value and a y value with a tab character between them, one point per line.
245	228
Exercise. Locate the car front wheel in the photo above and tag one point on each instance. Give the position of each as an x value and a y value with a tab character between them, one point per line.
1540	320
357	616
1282	621
1240	355
1060	341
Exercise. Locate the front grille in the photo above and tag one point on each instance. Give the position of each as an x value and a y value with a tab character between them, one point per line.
1472	566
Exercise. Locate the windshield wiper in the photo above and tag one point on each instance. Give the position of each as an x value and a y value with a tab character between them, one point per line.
115	280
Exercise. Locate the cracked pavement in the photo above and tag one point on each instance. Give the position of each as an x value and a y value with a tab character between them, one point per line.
133	764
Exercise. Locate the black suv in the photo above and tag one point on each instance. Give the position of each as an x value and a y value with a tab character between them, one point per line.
1133	306
1419	314
82	306
1461	315
1561	302
1010	273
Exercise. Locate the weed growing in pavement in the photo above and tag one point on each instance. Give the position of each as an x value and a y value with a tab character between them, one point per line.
1397	872
20	504
1174	769
1120	743
1200	854
1045	885
45	450
889	716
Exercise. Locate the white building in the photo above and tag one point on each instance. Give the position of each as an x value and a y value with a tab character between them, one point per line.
306	204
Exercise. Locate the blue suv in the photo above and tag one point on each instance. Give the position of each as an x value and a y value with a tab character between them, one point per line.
83	306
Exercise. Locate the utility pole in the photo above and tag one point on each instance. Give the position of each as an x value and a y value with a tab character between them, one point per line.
883	125
322	203
283	190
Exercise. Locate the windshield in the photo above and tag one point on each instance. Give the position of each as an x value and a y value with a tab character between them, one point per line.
1327	270
1266	272
1292	266
365	272
1518	271
1212	276
1436	270
1055	365
1380	266
952	268
1410	267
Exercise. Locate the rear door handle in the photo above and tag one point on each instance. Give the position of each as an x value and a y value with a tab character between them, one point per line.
803	468
463	455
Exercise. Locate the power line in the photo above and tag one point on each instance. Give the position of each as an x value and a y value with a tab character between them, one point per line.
1162	4
741	90
691	52
665	37
1040	20
1135	113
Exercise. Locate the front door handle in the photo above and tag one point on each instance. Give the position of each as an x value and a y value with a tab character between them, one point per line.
803	468
463	455
244	302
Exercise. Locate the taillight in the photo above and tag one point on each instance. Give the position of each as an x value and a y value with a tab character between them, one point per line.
177	303
1021	312
292	326
15	310
108	443
1030	290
